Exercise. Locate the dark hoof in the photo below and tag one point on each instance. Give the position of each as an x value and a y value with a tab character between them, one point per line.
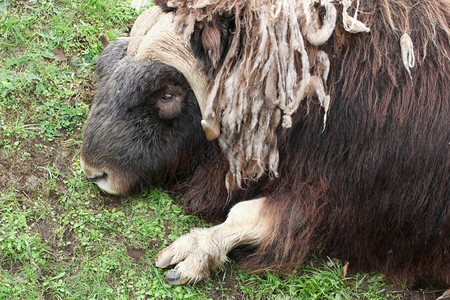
163	263
164	258
175	278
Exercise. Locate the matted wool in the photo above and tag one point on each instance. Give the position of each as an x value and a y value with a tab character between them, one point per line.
266	73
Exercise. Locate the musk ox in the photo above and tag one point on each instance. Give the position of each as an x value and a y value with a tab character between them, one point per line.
310	125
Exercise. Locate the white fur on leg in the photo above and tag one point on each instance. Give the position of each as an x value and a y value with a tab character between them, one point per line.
203	250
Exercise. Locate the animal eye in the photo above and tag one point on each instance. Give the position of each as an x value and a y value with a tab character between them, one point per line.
167	97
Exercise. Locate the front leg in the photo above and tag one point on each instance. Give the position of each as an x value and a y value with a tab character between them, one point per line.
203	250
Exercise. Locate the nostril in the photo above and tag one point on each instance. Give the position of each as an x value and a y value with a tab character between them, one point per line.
98	177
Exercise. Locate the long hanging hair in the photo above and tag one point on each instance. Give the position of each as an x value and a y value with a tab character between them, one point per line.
270	67
271	64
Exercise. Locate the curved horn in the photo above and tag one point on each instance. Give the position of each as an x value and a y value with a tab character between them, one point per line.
162	42
141	26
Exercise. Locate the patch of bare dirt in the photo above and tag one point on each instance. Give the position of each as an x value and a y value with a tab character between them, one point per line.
59	54
229	286
135	254
28	171
27	168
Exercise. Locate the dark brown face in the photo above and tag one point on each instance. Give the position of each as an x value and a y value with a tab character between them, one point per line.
144	124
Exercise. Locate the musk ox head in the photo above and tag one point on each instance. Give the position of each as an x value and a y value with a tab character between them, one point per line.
147	114
144	119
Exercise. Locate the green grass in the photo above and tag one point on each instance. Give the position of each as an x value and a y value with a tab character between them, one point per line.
60	237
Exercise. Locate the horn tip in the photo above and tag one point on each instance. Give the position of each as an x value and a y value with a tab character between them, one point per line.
212	131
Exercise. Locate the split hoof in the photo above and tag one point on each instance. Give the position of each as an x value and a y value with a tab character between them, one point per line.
175	278
194	255
164	259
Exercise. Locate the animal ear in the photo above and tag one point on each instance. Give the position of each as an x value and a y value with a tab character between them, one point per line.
110	56
210	42
211	37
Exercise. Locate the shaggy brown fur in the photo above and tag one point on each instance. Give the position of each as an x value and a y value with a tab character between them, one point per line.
264	75
372	186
